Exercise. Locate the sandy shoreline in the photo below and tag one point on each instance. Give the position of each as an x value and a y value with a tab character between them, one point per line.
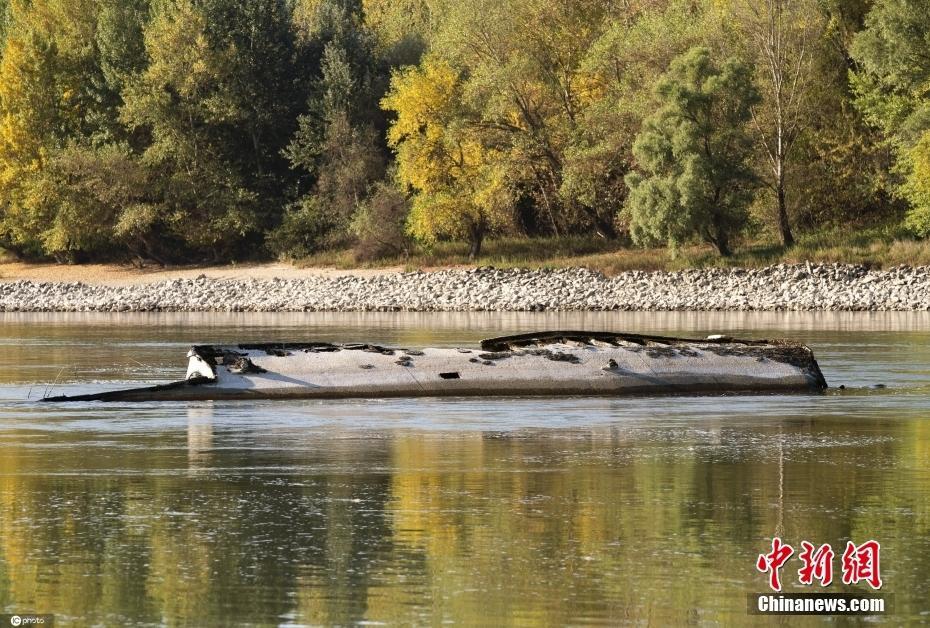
126	275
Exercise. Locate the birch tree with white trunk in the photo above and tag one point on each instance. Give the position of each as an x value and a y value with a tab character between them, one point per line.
780	35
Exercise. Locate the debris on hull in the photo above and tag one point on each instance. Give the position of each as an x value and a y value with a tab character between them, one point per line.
546	363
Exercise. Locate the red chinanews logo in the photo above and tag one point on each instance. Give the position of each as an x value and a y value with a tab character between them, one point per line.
818	564
860	563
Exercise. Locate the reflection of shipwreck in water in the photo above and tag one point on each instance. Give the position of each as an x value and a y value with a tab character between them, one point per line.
199	436
543	363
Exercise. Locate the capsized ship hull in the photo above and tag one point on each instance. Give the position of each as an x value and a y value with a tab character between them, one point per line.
543	363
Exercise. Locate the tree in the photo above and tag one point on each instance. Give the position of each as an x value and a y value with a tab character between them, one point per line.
460	183
402	28
337	146
79	195
839	170
620	70
345	163
52	95
521	63
219	101
380	224
781	36
694	152
891	90
4	22
120	40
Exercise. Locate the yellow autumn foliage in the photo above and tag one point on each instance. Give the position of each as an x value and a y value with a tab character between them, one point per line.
459	181
47	94
917	186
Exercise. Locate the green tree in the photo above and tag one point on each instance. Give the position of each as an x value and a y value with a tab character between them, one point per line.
219	100
380	224
891	89
694	153
345	163
79	195
839	167
337	145
620	70
120	41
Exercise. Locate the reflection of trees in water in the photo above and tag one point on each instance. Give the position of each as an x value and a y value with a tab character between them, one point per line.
533	527
255	534
177	548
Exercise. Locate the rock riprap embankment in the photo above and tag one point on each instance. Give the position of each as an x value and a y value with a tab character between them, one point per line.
782	287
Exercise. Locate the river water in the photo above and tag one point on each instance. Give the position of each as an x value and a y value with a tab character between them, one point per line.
645	511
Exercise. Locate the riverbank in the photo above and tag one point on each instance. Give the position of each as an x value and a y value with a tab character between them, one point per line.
875	247
126	275
781	287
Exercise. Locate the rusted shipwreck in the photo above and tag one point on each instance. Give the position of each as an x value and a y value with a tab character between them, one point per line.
543	363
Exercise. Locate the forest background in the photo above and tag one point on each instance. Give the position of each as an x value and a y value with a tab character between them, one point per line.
623	133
